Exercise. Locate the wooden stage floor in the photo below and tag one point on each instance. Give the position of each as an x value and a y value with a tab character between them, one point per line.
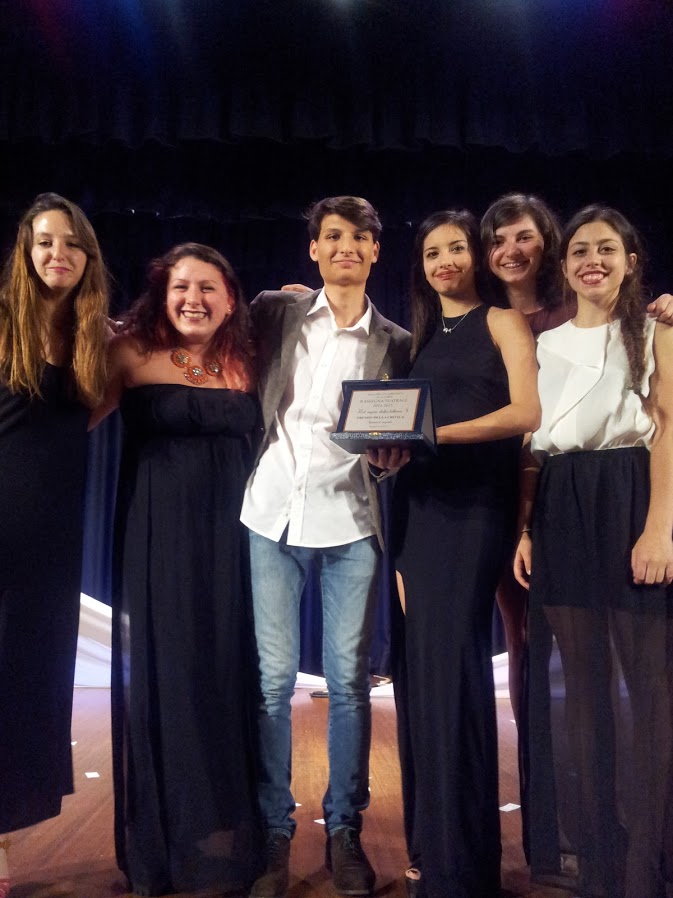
73	855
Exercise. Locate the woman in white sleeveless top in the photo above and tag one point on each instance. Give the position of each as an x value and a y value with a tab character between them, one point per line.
597	553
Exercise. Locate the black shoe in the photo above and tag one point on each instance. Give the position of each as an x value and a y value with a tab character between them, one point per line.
274	882
352	874
415	887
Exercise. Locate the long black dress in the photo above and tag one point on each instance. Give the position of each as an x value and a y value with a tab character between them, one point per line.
455	515
42	472
185	815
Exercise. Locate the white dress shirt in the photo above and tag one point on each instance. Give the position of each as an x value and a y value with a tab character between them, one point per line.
304	481
587	402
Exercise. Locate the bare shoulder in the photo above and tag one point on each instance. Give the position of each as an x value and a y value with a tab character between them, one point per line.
663	347
663	335
507	324
504	317
124	346
660	400
661	382
124	354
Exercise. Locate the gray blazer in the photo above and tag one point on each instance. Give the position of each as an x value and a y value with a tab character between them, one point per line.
277	319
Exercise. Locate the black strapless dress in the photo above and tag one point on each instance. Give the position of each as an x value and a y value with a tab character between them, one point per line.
183	664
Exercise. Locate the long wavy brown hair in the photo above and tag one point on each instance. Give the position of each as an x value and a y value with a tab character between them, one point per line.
230	345
23	310
629	309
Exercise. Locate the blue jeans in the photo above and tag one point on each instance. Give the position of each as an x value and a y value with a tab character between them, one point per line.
348	580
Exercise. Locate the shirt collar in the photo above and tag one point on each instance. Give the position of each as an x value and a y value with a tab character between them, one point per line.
322	305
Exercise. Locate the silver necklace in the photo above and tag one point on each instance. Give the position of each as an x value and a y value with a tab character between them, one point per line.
450	330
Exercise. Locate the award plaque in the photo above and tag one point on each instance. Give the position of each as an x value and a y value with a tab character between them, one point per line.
379	413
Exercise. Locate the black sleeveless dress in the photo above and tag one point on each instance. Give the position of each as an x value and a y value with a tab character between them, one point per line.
185	813
42	472
454	519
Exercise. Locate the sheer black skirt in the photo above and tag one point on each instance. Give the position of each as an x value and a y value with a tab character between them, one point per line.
599	773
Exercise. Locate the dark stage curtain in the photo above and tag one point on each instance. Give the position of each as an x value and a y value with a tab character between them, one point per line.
174	120
99	507
553	75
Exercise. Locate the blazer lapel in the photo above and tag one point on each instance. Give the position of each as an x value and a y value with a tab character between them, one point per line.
281	367
377	347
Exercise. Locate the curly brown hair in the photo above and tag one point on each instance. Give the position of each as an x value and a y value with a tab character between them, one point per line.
629	309
22	310
148	322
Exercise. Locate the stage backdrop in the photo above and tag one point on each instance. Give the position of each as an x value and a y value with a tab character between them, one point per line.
173	120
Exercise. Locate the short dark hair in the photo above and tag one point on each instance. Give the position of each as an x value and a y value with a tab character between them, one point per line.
507	210
425	304
355	209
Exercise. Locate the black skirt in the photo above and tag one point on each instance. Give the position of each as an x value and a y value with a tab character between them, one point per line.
600	722
590	510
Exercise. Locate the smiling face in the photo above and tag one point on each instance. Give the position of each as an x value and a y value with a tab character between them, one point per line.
597	263
56	253
198	300
344	252
448	262
516	254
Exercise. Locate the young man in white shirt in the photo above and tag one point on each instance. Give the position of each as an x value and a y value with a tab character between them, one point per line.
308	502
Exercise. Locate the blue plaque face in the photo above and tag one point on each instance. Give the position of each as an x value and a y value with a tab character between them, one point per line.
379	413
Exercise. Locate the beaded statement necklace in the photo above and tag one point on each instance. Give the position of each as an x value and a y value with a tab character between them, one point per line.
195	374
